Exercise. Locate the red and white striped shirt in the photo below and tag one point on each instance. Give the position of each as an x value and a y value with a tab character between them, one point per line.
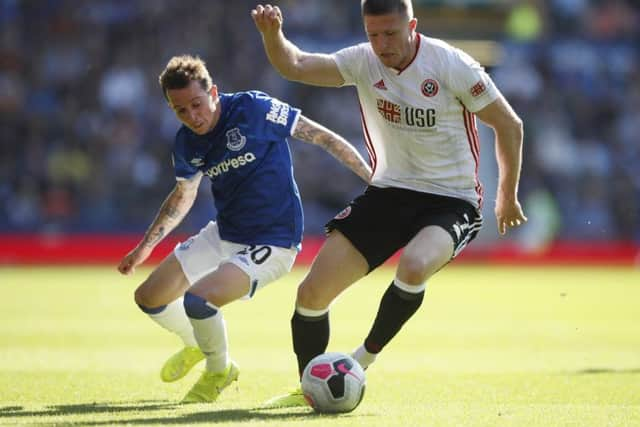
418	122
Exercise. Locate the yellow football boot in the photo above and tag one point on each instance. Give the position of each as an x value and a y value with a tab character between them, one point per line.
294	398
211	384
178	365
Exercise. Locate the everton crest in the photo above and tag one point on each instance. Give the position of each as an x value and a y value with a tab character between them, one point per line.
235	140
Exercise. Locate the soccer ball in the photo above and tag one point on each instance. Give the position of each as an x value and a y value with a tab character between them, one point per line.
333	382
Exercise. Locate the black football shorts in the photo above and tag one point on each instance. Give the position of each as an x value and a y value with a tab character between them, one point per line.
381	221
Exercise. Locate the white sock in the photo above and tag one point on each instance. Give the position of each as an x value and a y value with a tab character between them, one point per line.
211	335
411	289
174	319
363	357
307	312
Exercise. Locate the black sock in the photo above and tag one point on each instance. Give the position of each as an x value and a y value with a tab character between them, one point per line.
396	307
310	337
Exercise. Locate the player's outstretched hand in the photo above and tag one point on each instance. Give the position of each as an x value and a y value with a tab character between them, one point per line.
134	258
268	19
508	214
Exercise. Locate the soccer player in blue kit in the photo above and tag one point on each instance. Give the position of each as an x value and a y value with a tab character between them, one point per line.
239	141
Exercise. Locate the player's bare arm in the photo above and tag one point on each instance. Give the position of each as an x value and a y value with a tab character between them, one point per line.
314	133
508	130
171	213
292	63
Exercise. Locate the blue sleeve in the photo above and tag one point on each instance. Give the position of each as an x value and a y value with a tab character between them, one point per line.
277	119
182	166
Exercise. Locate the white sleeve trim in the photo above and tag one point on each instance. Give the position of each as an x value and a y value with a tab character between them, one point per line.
341	68
295	121
190	178
484	100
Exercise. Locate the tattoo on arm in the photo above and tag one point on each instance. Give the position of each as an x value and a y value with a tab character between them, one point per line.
338	147
154	237
172	212
305	131
174	208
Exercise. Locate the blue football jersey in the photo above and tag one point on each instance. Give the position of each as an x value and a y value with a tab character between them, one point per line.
246	156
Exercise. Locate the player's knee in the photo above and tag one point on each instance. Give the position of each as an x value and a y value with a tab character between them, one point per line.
197	307
415	269
312	297
145	299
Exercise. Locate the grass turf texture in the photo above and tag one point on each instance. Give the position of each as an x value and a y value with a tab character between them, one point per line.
491	346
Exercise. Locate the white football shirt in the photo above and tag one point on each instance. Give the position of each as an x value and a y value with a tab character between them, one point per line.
418	122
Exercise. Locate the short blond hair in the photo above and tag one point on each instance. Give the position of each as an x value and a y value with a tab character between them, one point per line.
181	71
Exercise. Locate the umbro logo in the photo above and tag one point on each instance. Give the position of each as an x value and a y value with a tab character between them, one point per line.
380	85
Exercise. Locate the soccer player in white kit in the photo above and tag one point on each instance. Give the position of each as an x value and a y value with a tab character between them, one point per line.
419	97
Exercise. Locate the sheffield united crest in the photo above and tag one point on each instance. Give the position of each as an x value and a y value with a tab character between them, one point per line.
430	88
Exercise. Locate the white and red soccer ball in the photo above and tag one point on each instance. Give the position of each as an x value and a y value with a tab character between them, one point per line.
333	382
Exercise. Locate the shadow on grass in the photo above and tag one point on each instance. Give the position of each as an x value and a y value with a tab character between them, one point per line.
210	416
221	416
591	371
86	408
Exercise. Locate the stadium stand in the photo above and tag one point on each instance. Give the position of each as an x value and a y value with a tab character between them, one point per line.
85	137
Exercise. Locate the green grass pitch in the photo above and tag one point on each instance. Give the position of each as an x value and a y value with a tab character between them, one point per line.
491	346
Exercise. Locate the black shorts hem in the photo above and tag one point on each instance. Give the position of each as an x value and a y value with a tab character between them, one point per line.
382	221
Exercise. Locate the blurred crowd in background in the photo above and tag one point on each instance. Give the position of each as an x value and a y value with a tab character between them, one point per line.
85	134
